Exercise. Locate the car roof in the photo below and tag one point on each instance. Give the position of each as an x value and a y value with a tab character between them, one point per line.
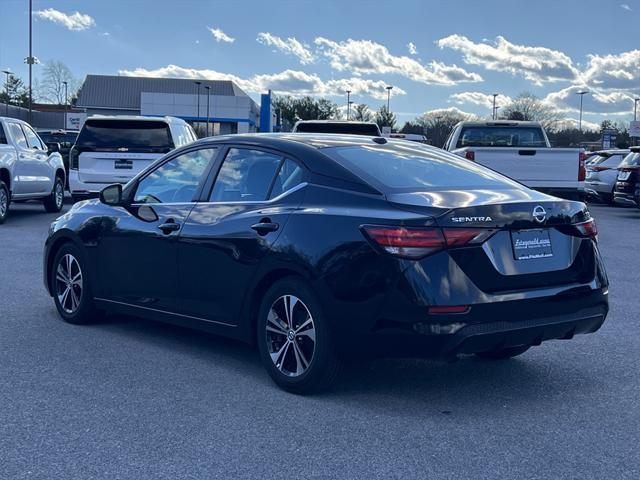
499	123
355	122
138	118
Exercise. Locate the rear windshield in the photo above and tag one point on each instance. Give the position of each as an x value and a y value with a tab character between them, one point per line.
414	167
134	135
501	136
631	160
343	128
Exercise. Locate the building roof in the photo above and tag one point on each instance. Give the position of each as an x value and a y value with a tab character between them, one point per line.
121	92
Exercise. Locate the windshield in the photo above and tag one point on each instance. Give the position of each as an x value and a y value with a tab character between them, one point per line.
134	135
414	167
501	136
631	160
343	128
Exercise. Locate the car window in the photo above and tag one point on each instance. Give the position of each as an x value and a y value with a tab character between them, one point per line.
631	160
183	135
613	160
289	176
246	176
503	136
134	135
32	139
175	181
3	136
18	135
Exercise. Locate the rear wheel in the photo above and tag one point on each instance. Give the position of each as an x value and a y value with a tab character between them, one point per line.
294	338
5	200
53	203
503	353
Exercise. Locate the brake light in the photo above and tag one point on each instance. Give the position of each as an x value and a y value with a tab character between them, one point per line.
470	155
74	159
448	309
587	229
582	172
414	243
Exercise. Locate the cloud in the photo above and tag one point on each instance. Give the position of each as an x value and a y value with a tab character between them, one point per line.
598	102
290	46
367	57
287	82
413	50
480	99
537	64
451	111
621	71
624	6
220	36
76	21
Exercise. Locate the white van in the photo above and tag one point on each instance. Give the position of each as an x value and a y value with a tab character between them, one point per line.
114	149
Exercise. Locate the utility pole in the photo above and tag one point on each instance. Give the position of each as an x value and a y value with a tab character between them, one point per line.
66	102
389	88
198	89
494	111
208	89
8	74
635	116
348	104
582	93
30	59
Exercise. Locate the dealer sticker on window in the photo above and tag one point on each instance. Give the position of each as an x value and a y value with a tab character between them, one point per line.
531	244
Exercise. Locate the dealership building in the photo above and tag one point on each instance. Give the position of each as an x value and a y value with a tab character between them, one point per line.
221	102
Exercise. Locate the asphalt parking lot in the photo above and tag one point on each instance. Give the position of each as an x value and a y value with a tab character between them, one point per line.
130	398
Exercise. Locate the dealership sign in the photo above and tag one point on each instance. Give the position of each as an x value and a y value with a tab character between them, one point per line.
75	120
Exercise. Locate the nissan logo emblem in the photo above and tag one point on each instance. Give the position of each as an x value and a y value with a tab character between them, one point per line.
539	214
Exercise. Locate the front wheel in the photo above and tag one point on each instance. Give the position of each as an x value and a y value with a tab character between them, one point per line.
53	203
5	200
503	353
294	338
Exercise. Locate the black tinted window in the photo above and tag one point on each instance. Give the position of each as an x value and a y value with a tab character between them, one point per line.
146	136
414	167
177	180
18	135
502	136
246	175
66	140
289	176
3	136
343	128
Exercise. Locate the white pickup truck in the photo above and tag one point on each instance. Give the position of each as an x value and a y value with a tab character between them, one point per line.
521	151
28	171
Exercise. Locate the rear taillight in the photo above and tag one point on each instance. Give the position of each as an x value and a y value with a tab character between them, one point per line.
74	159
414	243
587	229
582	172
469	155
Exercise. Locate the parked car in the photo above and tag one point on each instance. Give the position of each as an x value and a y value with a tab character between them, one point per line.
63	138
27	170
521	150
627	192
337	126
113	149
602	172
316	247
412	137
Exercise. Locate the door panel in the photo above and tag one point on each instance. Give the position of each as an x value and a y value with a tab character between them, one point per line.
28	175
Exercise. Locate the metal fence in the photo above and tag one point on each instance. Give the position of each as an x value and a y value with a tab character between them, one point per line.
38	119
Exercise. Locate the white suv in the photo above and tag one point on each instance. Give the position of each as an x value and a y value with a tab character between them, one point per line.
114	149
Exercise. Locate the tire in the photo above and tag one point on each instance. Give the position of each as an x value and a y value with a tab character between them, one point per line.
54	202
504	353
77	306
5	201
304	358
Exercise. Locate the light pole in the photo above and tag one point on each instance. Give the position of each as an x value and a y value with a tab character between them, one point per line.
208	89
8	74
582	93
348	104
635	108
494	110
30	59
66	102
389	88
198	89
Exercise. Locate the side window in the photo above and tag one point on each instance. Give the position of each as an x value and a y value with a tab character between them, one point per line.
175	181
3	136
289	176
613	161
32	139
18	135
245	176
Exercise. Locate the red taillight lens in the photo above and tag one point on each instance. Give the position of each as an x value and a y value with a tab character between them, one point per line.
582	172
448	309
587	229
418	242
74	159
469	155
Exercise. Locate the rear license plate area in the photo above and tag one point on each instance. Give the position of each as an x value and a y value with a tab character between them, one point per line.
531	244
122	164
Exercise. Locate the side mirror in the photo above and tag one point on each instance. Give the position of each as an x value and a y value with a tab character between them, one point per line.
53	147
112	195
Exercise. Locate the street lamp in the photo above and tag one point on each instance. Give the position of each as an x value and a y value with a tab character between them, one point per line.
348	103
635	108
198	89
349	109
8	74
208	89
389	88
494	111
582	93
66	102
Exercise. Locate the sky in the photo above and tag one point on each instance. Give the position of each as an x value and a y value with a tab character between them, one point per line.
436	54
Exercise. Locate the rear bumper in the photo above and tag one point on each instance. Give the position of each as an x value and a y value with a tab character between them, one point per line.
87	189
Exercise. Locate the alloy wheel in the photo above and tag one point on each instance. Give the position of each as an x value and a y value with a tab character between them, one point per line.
59	193
4	201
291	335
69	283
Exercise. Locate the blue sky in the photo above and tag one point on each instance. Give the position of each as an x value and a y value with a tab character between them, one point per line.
436	54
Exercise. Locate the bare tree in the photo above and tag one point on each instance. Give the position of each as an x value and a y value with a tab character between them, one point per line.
438	124
527	106
51	85
361	113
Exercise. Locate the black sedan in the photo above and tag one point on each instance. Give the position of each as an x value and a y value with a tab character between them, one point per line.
627	189
320	247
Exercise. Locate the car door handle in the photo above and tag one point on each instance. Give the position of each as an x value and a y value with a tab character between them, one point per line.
265	227
169	226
